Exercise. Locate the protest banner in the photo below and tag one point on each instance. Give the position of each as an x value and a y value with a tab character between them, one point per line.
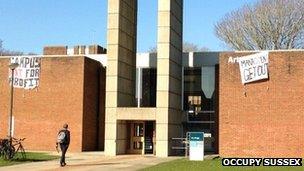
253	67
26	75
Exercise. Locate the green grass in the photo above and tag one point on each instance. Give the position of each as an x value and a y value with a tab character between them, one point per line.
30	157
212	165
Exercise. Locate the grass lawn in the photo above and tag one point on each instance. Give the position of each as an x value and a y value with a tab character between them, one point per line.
30	157
212	164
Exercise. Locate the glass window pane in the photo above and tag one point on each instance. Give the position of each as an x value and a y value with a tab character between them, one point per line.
208	76
199	86
138	129
148	86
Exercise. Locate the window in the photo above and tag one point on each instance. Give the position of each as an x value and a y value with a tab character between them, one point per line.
192	88
138	129
199	88
199	94
146	87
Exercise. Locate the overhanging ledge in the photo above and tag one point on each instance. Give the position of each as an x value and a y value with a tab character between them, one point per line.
130	113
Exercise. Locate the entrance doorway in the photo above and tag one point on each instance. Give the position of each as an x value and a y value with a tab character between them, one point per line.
141	137
149	138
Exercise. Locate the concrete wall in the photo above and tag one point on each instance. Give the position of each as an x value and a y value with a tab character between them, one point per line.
122	15
169	74
121	69
120	89
263	118
65	95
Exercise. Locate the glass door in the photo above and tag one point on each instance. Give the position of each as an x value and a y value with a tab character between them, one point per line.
137	138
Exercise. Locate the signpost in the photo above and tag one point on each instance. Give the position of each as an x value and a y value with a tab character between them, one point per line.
196	145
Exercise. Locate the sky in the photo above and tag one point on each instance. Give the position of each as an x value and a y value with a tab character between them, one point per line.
29	25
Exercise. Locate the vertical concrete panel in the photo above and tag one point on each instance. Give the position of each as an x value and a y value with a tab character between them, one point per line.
121	137
169	49
122	24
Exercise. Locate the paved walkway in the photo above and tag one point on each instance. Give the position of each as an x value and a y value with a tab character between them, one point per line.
91	161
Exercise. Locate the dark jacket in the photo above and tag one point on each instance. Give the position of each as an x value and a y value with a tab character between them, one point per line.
67	138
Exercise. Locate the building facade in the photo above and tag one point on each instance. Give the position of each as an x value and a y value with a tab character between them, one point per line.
258	119
71	90
121	111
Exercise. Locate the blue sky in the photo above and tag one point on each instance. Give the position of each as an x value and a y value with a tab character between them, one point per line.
28	25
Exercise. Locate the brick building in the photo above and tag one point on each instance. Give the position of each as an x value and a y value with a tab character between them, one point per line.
71	90
263	118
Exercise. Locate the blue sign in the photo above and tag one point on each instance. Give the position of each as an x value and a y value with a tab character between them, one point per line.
196	136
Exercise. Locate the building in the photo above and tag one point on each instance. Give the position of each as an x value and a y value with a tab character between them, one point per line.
263	118
69	91
137	103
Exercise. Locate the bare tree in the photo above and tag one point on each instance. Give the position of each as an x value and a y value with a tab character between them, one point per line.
1	48
5	52
191	47
187	47
152	49
265	25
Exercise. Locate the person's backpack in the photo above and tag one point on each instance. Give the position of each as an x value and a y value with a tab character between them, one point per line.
61	137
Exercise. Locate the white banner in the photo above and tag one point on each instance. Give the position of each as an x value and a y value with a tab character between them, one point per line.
26	75
253	67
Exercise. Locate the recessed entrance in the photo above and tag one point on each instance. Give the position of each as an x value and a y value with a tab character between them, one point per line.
141	137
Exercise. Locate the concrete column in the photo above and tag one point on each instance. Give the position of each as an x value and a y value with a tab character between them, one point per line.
121	69
169	74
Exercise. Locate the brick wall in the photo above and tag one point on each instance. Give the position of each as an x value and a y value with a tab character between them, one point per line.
77	50
41	112
269	120
55	50
102	100
96	49
93	113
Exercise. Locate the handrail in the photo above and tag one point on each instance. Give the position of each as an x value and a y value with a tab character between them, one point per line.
198	117
185	147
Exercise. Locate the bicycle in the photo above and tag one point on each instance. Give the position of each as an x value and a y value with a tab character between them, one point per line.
8	150
20	148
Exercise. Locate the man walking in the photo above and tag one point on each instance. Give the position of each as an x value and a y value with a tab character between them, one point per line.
63	139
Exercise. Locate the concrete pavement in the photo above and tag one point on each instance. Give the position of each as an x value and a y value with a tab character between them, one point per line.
91	161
